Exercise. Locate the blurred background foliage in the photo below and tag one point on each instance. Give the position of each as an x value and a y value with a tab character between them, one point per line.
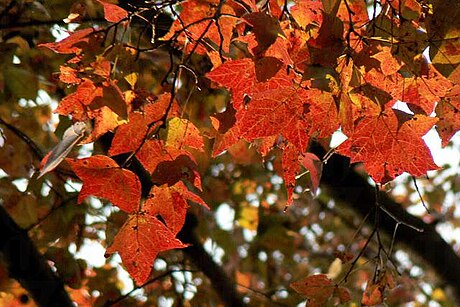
247	231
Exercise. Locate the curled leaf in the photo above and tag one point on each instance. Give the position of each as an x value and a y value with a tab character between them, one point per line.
71	137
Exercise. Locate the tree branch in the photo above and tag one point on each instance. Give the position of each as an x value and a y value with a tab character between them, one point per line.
28	266
224	286
40	23
345	185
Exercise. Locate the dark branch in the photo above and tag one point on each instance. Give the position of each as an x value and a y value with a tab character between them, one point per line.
148	282
224	286
40	23
38	153
28	266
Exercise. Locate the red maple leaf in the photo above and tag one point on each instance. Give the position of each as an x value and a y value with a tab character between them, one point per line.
139	241
168	203
196	25
384	90
372	295
266	30
293	112
110	95
89	97
389	144
448	112
104	120
69	75
272	112
168	164
322	106
102	177
291	161
76	104
130	136
359	16
281	48
171	204
317	288
308	12
423	92
240	77
182	133
112	12
71	44
388	63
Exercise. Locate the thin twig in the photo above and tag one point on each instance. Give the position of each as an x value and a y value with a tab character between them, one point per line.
398	221
420	195
37	151
148	282
361	252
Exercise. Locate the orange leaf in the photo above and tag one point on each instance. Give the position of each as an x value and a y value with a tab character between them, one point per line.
68	75
272	112
307	12
448	110
104	120
112	97
291	168
359	17
239	76
183	133
372	296
423	92
291	161
69	44
266	29
171	204
389	145
76	104
195	18
102	177
139	241
388	63
168	203
112	12
129	136
321	106
314	166
168	164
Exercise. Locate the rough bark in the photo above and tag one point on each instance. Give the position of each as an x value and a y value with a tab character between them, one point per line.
28	266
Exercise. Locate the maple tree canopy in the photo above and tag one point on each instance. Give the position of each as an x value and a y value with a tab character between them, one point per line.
182	102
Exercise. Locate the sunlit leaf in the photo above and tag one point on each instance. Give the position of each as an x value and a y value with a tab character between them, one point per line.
139	241
102	177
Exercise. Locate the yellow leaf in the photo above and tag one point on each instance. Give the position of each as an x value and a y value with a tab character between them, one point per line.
132	79
335	269
249	218
438	295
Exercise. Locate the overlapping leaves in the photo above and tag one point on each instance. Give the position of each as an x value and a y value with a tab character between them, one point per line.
291	82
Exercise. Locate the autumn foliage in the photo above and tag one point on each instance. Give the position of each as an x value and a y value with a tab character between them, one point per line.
256	81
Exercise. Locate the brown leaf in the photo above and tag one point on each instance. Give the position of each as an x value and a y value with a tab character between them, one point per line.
317	288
